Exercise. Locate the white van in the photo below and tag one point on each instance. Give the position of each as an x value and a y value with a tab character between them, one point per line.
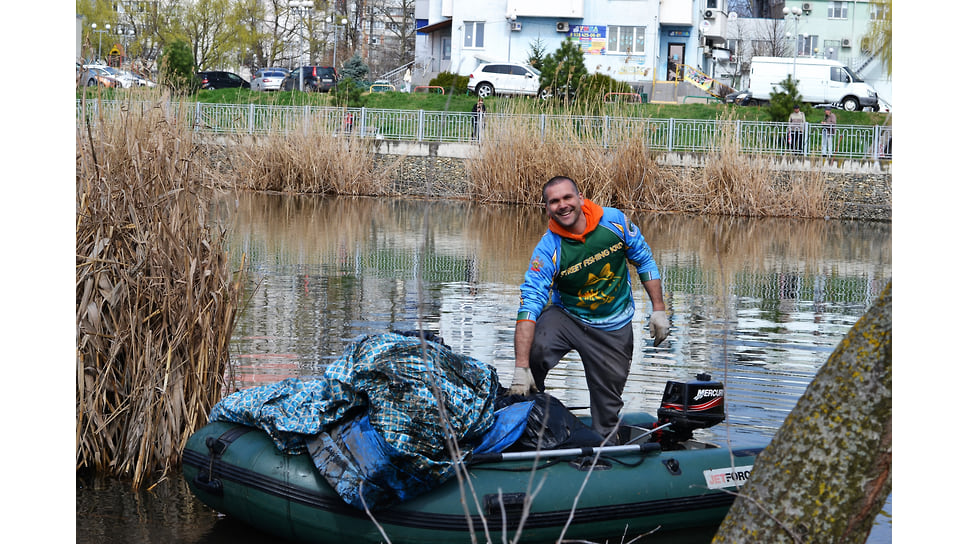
819	81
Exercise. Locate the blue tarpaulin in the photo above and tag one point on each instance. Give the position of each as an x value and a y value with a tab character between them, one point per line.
378	421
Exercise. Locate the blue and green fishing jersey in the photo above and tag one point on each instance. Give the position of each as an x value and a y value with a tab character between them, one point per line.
589	277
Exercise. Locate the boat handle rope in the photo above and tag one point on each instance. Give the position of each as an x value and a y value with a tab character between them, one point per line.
216	447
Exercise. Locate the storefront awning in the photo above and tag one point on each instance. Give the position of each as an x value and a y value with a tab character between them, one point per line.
442	25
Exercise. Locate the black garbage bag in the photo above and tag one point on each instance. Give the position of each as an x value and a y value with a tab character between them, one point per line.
550	426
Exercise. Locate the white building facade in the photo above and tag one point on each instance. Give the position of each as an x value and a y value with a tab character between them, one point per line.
642	40
629	40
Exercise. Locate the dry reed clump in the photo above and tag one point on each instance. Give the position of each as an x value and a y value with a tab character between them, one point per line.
516	159
734	183
156	304
307	161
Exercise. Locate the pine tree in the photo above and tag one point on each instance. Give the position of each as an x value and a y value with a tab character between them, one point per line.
564	70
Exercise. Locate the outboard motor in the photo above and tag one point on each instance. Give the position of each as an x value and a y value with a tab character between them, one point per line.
696	404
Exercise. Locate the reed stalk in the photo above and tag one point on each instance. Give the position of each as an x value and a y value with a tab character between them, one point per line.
156	301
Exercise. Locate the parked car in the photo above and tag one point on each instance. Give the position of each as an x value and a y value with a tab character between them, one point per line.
214	79
740	98
315	78
94	75
130	79
135	79
505	78
268	79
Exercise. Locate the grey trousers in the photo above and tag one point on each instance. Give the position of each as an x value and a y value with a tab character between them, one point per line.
605	355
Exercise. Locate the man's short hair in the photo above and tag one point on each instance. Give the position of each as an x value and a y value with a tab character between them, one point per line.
554	181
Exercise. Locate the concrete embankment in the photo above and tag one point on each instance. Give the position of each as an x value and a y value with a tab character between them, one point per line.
859	189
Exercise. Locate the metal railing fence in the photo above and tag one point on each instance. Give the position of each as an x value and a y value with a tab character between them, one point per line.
671	135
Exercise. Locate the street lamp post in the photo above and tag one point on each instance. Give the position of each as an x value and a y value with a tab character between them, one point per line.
125	35
336	40
796	12
301	8
107	28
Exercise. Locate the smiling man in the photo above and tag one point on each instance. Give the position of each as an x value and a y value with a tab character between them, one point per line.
582	261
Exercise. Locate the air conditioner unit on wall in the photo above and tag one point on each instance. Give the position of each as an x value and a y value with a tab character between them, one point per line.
561	26
807	8
516	26
709	14
845	42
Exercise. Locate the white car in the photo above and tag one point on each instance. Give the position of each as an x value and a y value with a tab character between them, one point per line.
99	74
268	79
130	79
93	75
506	78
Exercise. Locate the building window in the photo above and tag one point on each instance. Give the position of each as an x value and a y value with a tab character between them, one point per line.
830	49
474	34
626	39
837	10
445	48
807	44
711	4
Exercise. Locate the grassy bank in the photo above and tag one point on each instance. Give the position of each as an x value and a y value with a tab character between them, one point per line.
463	102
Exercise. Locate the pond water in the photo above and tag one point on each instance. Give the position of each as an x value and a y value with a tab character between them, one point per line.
758	304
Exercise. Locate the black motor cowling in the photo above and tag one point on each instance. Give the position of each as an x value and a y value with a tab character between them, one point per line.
696	404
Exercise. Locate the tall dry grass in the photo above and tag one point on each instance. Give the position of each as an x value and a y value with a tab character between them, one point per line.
308	161
515	160
735	183
156	301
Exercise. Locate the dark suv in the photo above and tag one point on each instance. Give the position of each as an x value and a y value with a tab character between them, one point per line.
315	78
221	80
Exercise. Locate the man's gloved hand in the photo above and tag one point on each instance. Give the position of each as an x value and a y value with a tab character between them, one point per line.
523	382
658	326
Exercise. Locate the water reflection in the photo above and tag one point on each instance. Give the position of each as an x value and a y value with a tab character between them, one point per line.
760	304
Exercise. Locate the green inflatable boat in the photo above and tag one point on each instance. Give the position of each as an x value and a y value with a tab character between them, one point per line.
659	476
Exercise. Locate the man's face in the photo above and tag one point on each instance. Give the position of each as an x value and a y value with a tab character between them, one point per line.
563	204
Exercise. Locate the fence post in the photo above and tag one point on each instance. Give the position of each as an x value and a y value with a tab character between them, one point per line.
877	142
198	115
605	131
805	144
251	118
672	127
362	128
542	127
420	125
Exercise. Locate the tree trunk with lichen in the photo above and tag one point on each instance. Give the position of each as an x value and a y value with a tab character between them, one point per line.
826	474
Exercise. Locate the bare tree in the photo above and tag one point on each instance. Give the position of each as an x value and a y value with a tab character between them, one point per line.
771	40
399	31
205	24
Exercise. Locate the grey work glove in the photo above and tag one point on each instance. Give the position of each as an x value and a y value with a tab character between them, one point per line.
523	382
658	327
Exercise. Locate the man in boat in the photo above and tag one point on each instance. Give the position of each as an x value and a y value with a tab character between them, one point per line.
582	260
